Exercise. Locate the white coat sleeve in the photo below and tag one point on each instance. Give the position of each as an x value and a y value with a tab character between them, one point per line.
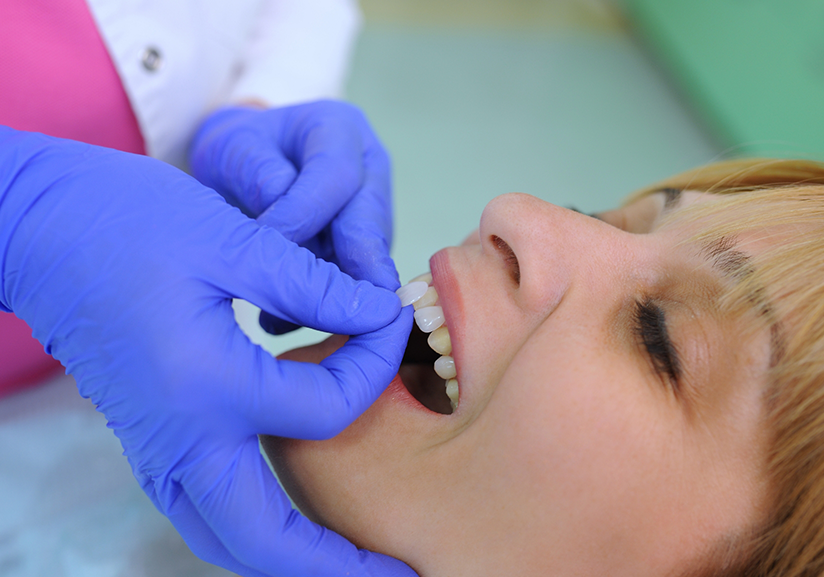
210	53
298	50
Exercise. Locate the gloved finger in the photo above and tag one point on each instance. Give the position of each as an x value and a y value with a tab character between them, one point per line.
331	173
362	232
201	539
188	522
363	354
321	247
262	267
235	493
239	491
147	484
302	400
233	155
265	176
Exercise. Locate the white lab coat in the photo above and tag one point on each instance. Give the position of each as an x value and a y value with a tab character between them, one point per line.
181	59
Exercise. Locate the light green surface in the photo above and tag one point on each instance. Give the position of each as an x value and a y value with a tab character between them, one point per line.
755	70
572	118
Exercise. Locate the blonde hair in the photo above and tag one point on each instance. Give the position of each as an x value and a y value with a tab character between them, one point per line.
783	201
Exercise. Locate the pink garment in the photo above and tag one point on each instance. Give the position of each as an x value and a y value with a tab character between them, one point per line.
56	77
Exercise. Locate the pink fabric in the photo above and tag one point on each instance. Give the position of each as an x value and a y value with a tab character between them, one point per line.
56	77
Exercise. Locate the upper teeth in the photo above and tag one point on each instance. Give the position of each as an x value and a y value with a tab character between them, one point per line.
445	367
430	319
412	292
439	341
428	299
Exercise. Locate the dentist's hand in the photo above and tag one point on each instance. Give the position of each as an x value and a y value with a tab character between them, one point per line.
125	268
314	172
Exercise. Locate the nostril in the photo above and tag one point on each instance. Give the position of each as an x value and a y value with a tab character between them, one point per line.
509	258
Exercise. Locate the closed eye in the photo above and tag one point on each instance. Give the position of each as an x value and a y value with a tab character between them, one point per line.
651	329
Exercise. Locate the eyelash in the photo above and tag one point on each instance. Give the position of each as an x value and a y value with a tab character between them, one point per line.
651	328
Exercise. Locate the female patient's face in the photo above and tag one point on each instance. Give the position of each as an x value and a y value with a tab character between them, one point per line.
609	421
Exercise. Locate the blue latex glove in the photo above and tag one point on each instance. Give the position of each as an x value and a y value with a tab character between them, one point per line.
315	172
125	268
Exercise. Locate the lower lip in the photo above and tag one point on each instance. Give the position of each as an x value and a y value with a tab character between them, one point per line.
398	393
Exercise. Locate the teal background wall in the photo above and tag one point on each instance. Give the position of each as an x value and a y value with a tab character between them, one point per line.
753	70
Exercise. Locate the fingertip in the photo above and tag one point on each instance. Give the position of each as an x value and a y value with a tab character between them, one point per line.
371	308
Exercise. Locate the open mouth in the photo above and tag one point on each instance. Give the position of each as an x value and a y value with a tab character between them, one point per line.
427	370
418	374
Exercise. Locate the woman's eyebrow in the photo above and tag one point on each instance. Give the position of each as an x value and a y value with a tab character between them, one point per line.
726	258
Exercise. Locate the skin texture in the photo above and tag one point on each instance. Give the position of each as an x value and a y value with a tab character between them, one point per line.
569	454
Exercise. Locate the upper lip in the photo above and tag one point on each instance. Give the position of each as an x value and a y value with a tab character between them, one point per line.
449	296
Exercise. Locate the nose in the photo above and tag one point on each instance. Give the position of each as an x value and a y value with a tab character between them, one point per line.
553	248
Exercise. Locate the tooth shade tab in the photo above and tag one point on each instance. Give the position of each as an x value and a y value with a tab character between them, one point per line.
439	341
429	299
429	318
445	367
412	292
425	277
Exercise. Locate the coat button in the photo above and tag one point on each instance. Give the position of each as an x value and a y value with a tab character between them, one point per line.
151	59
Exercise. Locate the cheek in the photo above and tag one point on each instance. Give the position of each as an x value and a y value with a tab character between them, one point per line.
578	439
570	425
